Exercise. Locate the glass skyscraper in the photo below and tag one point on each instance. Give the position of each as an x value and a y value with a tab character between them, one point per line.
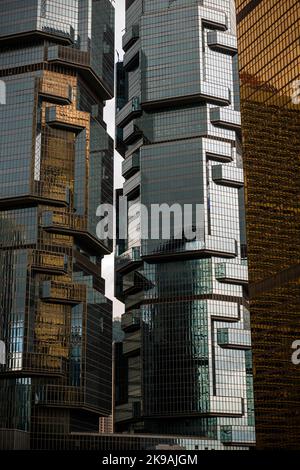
269	51
185	367
56	167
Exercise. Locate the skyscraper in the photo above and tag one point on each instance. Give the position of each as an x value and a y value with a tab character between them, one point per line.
187	349
56	166
269	51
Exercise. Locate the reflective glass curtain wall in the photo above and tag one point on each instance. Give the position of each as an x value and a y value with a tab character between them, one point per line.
269	52
187	345
56	165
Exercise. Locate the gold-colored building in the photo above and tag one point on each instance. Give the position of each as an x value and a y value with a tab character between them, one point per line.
269	51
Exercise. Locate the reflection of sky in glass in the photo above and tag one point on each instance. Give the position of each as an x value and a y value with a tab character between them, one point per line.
109	116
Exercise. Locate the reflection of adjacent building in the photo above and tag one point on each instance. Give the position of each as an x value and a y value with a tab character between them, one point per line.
55	169
186	359
106	424
269	51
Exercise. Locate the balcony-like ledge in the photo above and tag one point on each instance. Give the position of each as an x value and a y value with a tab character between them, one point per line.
63	292
207	92
231	338
226	117
214	19
54	92
131	110
131	132
131	165
181	249
132	186
218	151
132	343
68	223
131	320
222	42
228	176
130	37
131	57
57	116
232	273
226	406
128	261
238	435
46	261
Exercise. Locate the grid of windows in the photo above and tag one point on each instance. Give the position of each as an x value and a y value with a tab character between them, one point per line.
55	169
186	322
269	51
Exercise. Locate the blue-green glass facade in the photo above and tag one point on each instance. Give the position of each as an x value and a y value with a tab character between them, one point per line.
187	346
56	168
